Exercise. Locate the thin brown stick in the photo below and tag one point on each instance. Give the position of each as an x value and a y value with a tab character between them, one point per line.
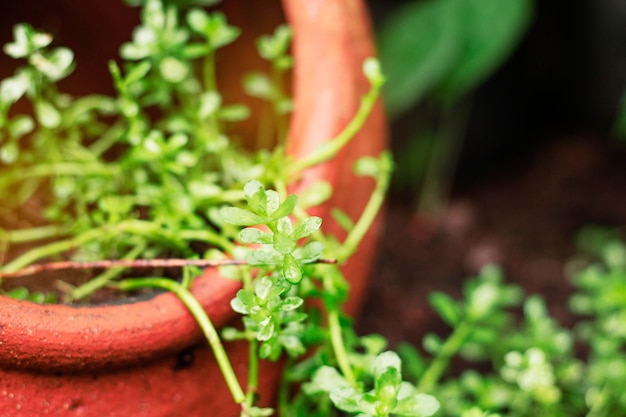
131	263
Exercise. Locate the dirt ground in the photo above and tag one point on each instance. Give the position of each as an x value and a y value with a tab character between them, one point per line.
522	216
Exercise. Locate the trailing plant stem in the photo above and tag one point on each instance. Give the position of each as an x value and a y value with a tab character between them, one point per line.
336	339
332	147
442	358
203	320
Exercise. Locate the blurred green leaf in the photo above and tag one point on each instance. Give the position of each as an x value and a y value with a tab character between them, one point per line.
417	45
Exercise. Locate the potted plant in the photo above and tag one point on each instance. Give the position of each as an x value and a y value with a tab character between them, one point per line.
146	357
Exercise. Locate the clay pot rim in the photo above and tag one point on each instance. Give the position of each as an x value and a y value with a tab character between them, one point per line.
64	338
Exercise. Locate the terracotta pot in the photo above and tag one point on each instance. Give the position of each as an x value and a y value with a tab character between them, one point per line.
148	358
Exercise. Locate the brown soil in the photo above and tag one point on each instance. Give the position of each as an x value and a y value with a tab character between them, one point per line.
522	216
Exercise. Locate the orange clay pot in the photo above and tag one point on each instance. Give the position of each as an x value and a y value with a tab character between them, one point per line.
148	358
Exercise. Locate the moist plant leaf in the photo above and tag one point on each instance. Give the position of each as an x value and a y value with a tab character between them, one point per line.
284	244
264	256
292	270
310	253
419	405
254	235
256	197
286	208
346	398
307	227
291	303
325	379
240	217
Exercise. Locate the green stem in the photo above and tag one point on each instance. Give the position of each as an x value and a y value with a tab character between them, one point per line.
32	234
253	372
339	348
371	210
444	355
203	320
136	227
332	147
106	277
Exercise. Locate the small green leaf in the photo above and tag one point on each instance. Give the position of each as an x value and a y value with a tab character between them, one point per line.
174	70
284	244
256	196
325	379
264	257
419	405
292	270
266	332
310	253
240	217
318	193
286	208
254	235
291	303
307	227
258	85
342	218
47	114
445	307
346	398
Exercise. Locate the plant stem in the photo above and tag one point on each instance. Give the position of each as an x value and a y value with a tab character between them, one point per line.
203	320
253	372
106	277
371	210
439	364
32	234
336	339
329	149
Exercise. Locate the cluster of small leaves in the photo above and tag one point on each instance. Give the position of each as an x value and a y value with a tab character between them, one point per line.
270	308
151	184
389	395
530	364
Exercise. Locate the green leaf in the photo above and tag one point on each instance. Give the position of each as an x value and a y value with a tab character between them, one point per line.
256	197
418	45
26	40
490	29
292	270
258	85
386	360
240	217
254	235
310	253
419	405
266	332
284	244
325	379
137	72
174	70
307	227
56	65
320	191
13	88
286	208
263	287
47	114
445	307
243	302
342	218
264	257
291	303
346	398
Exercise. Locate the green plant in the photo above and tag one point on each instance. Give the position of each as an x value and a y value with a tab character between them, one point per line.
103	170
436	53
